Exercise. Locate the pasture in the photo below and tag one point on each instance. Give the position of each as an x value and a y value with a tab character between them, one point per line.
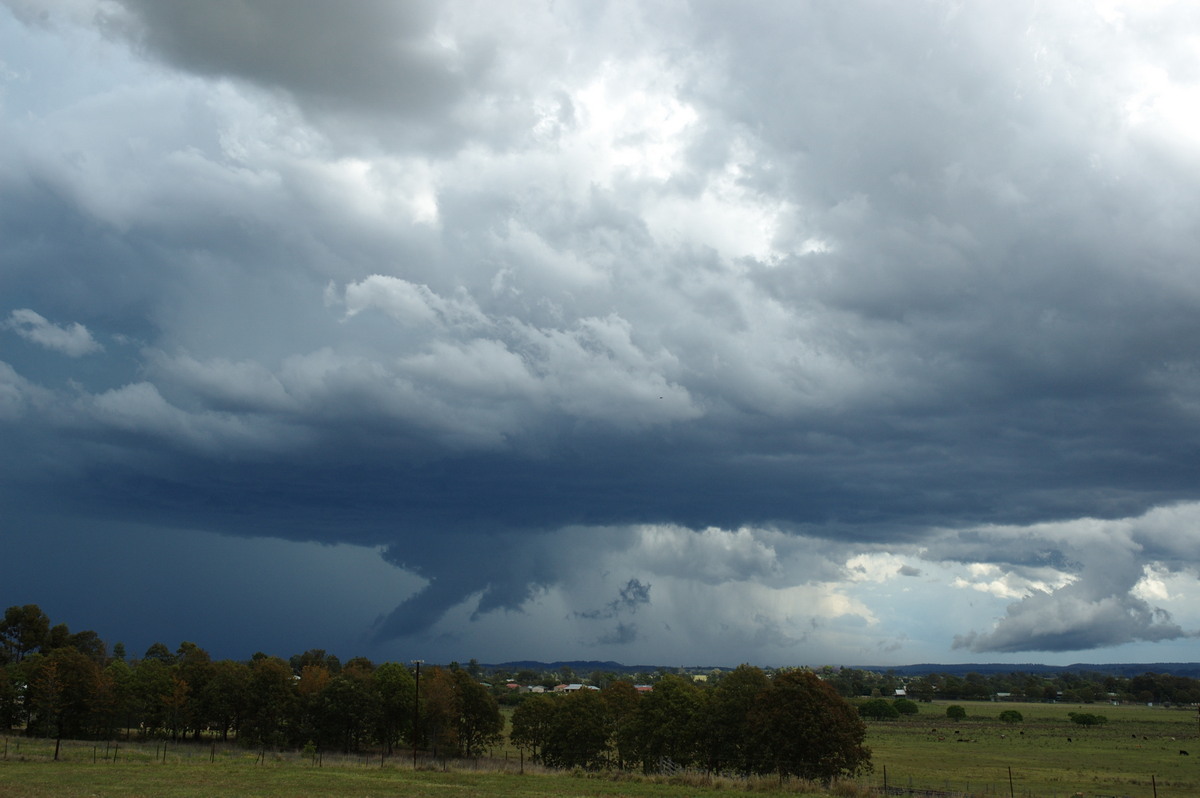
191	771
1136	753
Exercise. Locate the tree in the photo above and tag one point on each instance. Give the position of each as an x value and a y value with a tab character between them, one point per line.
23	630
578	732
955	712
397	693
459	713
906	707
479	722
621	700
226	695
878	709
531	724
805	729
271	701
1087	718
726	740
1011	716
666	727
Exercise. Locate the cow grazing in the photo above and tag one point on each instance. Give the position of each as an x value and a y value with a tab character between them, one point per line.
1183	753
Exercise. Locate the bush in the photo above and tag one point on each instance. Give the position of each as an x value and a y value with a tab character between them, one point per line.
955	712
906	707
878	709
1011	716
1087	718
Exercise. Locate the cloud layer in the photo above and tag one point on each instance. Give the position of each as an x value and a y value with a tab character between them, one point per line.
764	332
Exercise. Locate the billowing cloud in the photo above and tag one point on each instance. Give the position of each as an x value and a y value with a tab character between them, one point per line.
73	340
812	318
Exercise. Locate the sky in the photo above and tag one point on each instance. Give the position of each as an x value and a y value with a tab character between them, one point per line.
663	332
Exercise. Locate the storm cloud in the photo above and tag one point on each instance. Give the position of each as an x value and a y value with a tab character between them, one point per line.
811	318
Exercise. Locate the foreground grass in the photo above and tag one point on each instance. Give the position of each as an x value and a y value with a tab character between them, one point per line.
1135	754
140	770
59	780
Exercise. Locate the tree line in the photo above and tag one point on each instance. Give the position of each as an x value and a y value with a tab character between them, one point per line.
63	685
792	724
1073	687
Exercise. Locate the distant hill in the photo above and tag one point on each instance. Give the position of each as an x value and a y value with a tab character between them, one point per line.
583	668
580	667
1124	669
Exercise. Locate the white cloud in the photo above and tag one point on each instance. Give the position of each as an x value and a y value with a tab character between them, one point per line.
73	340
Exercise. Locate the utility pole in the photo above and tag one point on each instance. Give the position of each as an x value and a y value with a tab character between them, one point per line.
416	711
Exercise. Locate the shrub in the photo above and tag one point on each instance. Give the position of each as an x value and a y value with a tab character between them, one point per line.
955	712
906	707
1011	716
878	709
1087	718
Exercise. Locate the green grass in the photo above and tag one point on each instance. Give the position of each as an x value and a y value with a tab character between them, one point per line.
1133	754
1136	751
192	772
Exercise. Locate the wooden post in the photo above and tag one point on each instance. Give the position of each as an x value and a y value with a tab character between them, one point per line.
1011	794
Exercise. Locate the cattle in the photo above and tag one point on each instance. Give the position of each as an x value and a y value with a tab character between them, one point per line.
1182	752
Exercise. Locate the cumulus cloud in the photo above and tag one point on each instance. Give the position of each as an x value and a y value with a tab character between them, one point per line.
767	312
1079	585
73	340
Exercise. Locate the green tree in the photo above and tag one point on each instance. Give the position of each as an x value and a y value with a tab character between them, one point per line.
621	701
397	693
955	712
23	630
531	724
878	709
806	729
579	732
906	707
1011	716
479	722
458	713
667	724
65	685
1087	718
726	739
226	696
272	702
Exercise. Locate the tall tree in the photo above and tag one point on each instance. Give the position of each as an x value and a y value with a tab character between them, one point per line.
397	693
667	724
579	732
726	739
804	728
23	630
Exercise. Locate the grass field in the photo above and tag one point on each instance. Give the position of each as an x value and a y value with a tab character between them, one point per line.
1136	754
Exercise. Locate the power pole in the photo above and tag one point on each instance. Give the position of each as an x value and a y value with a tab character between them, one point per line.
416	711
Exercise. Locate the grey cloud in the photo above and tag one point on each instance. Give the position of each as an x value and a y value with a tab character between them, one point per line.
371	58
1104	561
909	570
73	340
966	299
1071	620
633	595
622	634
